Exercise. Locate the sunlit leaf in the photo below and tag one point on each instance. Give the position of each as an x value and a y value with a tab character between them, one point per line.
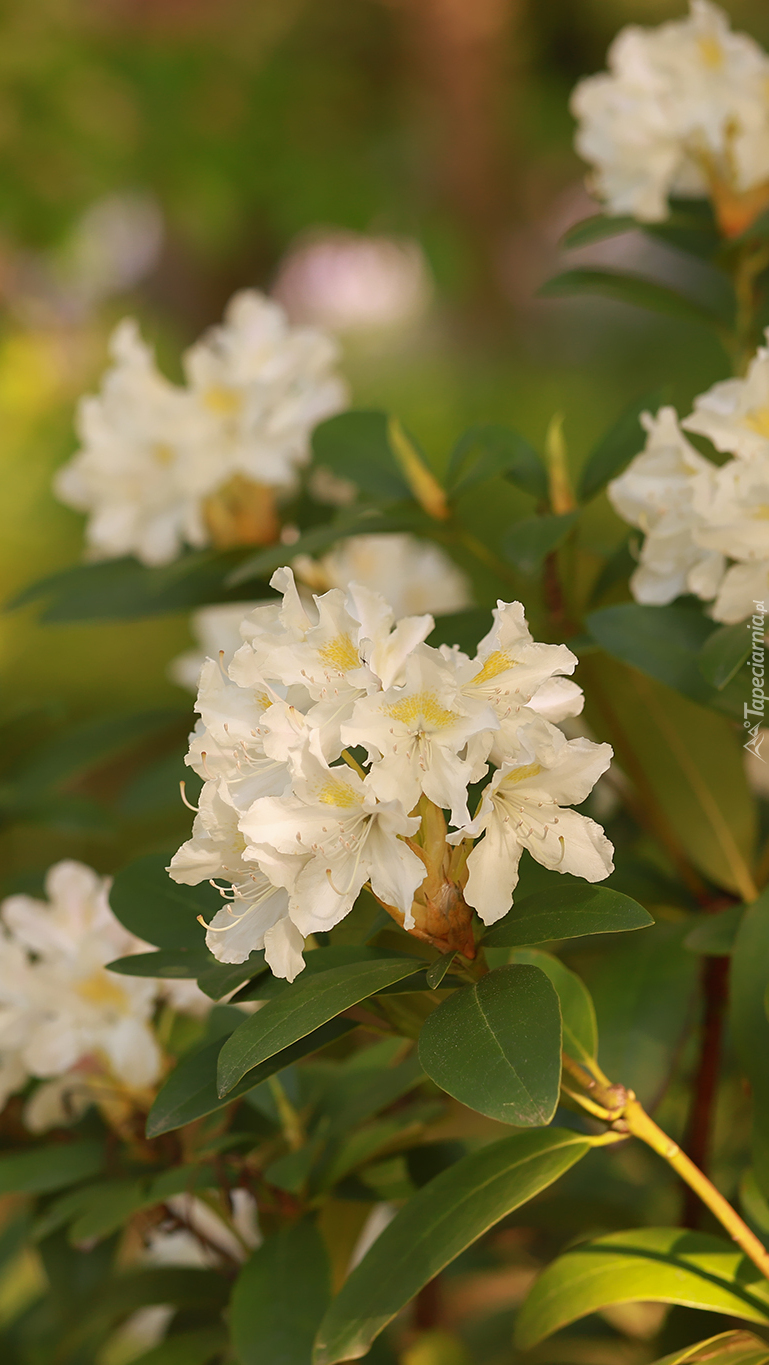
569	910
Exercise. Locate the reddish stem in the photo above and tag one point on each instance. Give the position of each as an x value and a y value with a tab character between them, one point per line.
715	983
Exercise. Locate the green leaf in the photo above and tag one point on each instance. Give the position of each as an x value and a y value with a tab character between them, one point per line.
488	450
263	564
529	542
194	1348
567	911
434	1227
728	1348
749	1025
112	1202
665	643
496	1046
616	448
356	446
754	1205
438	969
596	229
219	978
190	1091
658	1265
724	652
641	293
49	1168
124	589
280	1297
580	1031
308	1003
686	764
160	911
714	936
166	962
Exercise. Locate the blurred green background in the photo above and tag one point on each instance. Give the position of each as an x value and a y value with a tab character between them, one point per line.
156	155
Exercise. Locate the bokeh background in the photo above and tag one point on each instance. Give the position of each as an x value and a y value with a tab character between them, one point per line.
400	171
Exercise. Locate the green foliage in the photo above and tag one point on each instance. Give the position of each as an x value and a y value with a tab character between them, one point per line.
271	1321
496	1046
487	450
529	542
49	1168
749	1024
663	1265
714	309
566	910
616	448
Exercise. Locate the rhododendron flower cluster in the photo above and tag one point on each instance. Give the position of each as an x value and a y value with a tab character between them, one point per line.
337	750
162	465
683	110
697	516
64	1018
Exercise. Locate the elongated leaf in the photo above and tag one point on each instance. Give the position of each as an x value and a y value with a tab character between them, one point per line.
640	292
666	644
280	1297
496	1046
166	962
429	1232
686	764
49	1168
658	1265
356	446
219	978
567	911
309	1002
160	911
724	652
596	229
262	565
124	589
715	934
112	1202
728	1348
81	748
438	969
190	1092
580	1030
195	1348
488	450
616	448
529	542
749	1024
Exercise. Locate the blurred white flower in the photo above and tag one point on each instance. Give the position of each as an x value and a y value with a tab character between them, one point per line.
217	631
734	512
413	575
657	494
163	466
349	282
734	414
683	110
297	834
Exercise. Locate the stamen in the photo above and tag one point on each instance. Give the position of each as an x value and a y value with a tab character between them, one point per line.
188	804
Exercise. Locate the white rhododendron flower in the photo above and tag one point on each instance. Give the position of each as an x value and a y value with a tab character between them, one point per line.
156	456
683	110
412	574
63	1017
295	825
734	414
216	630
735	522
656	493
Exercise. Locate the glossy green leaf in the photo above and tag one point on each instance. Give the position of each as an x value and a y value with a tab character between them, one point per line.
641	293
444	1218
190	1092
616	448
220	978
488	450
438	969
655	1265
192	1348
529	542
686	764
182	963
496	1046
112	1202
666	644
728	1348
580	1030
124	589
355	446
724	652
754	1205
280	1297
714	936
309	1002
160	911
50	1168
749	1025
596	229
567	911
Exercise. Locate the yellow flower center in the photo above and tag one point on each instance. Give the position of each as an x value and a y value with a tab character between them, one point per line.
223	401
100	989
711	52
163	453
422	706
498	662
758	420
522	774
340	653
336	792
